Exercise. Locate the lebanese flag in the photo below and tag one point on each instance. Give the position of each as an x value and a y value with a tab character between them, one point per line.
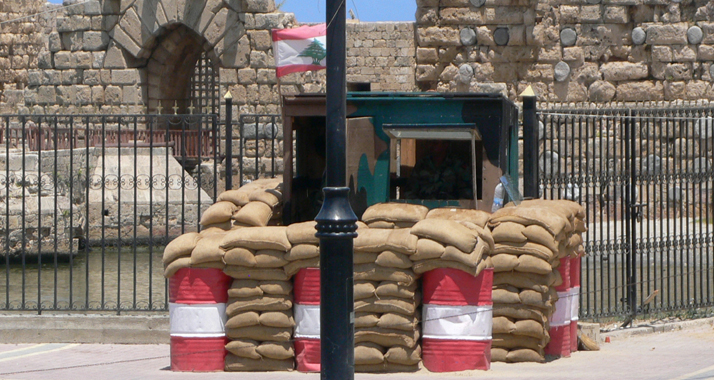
300	49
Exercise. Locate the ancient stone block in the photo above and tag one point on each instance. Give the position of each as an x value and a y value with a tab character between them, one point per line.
550	54
616	15
260	39
590	13
258	6
234	53
426	73
63	60
705	53
266	76
708	31
95	40
436	36
684	53
91	77
450	16
678	71
601	91
573	54
114	59
638	91
270	20
661	53
55	42
569	14
72	41
123	39
70	77
113	95
125	77
46	95
667	34
83	95
621	71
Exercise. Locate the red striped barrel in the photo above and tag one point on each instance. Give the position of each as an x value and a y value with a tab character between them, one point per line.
306	289
197	314
559	344
457	320
575	268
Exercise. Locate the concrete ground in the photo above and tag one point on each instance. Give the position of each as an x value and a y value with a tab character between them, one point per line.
676	351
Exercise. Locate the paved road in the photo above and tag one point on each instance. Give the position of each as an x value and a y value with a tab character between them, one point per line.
676	355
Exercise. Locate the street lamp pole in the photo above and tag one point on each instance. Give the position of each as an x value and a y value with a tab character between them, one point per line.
336	226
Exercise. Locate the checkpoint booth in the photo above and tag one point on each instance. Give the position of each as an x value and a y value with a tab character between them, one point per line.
393	146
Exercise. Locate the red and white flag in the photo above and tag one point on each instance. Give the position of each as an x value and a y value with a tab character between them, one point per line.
300	49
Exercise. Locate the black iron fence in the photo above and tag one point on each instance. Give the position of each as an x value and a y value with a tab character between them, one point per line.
644	174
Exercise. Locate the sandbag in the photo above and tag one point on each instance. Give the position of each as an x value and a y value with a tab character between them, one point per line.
207	250
539	235
498	354
537	282
244	319
364	289
523	355
518	312
556	224
371	240
276	287
385	305
211	264
241	257
505	294
529	327
263	303
387	337
532	264
237	197
294	266
421	267
277	319
303	233
402	241
244	289
174	266
209	229
365	320
504	262
302	252
260	333
218	212
528	248
390	225
255	274
373	272
478	217
403	355
182	246
536	299
427	249
509	231
398	322
244	348
511	341
237	363
368	353
394	212
269	258
257	238
364	257
470	259
447	232
270	197
391	259
276	350
254	214
394	289
503	325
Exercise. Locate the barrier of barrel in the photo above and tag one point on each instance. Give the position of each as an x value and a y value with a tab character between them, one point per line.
575	269
306	289
197	315
457	320
559	344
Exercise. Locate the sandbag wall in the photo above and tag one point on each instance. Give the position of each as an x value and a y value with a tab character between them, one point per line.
530	241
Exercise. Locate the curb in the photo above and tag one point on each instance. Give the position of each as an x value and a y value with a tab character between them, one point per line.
659	328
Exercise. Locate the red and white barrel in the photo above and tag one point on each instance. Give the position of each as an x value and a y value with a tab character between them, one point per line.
559	344
457	320
306	289
575	269
197	312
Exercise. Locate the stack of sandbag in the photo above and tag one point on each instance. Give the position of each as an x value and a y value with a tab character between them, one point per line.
304	247
386	298
257	202
193	250
393	215
530	239
259	308
452	238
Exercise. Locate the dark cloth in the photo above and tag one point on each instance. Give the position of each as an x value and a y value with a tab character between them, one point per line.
450	180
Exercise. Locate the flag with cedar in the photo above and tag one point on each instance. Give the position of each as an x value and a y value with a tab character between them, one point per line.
299	49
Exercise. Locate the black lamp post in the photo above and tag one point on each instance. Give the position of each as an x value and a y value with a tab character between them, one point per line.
336	226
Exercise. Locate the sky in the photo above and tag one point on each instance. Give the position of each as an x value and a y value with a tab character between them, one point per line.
365	10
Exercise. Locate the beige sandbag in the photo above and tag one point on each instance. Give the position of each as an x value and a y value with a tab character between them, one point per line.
302	252
244	319
270	197
394	212
276	350
386	305
371	240
537	282
575	240
364	320
535	299
237	363
393	289
529	327
498	354
211	264
511	341
403	355
478	217
303	233
368	353
532	264
402	241
254	214
281	318
470	259
269	258
180	247
387	337
219	227
398	322
386	367
524	355
262	303
503	325
427	249
260	333
539	235
294	266
504	262
207	250
391	259
255	274
276	287
527	248
364	289
556	224
390	225
244	289
238	256
364	257
244	348
484	234
174	266
518	312
218	212
447	232
257	238
237	197
373	272
505	294
421	267
509	231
